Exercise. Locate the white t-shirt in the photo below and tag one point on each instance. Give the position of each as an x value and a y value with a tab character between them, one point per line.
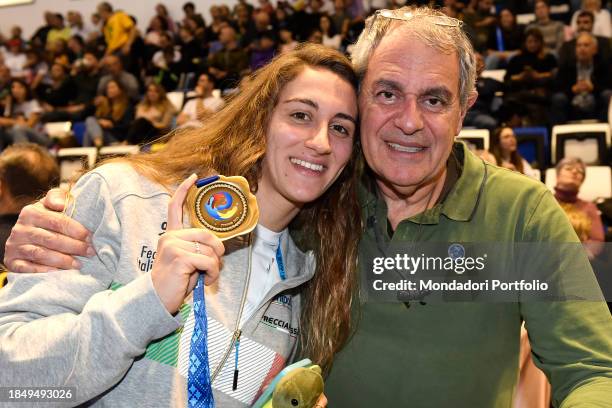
25	109
264	269
211	103
16	63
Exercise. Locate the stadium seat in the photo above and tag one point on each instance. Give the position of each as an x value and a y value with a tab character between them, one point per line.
475	138
533	145
73	160
496	74
597	182
588	142
177	98
60	133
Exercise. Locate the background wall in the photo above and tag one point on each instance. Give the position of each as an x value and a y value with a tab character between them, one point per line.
30	16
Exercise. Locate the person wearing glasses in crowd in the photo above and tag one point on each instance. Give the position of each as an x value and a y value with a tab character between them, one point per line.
417	71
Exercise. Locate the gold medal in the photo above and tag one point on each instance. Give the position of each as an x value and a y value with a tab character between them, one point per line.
223	205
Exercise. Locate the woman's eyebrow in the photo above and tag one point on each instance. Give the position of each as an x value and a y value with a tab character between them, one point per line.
346	116
308	102
312	103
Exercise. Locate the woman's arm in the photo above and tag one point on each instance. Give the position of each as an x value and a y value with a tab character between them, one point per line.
66	328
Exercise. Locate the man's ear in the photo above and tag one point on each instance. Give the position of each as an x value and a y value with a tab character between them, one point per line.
471	100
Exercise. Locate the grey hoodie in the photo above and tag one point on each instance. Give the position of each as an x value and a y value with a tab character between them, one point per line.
103	329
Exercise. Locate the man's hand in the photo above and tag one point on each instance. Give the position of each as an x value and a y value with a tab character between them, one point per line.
45	239
182	254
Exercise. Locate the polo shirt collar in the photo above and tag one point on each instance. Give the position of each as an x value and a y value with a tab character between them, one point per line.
459	205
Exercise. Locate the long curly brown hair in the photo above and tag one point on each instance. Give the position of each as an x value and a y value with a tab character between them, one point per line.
233	142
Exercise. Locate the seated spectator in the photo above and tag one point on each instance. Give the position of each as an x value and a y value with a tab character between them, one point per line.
330	37
36	68
529	77
166	63
5	84
192	52
602	25
287	43
504	41
204	104
307	19
243	22
161	11
584	23
156	28
114	113
583	85
27	172
39	38
17	34
481	21
214	29
60	92
85	77
20	123
154	116
504	149
262	51
15	59
76	48
199	32
230	63
115	70
340	18
583	215
482	113
77	26
58	52
262	25
58	30
190	12
553	32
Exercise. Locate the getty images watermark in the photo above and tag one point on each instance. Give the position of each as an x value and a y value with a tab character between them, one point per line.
489	272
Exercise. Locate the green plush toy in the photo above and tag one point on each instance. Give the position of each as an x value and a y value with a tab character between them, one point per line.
300	388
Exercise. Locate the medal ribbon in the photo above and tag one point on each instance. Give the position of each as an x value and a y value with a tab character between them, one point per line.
199	386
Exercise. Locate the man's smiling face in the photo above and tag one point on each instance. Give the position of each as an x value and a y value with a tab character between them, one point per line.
410	110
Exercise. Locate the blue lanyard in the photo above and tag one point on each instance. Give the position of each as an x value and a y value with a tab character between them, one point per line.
279	261
199	386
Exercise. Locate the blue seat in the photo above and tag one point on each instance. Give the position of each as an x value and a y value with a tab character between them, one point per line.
533	145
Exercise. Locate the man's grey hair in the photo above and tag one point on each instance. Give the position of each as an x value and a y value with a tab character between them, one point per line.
433	28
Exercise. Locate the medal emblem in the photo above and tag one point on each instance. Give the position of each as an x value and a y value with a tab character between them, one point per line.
223	205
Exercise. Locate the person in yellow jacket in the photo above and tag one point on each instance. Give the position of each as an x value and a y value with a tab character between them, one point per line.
119	29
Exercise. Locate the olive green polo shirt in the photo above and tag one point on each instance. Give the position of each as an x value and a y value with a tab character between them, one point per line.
465	354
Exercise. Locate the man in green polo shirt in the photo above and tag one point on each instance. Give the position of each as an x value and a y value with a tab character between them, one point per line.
418	74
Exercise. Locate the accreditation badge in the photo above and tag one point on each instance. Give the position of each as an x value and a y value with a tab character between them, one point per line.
223	205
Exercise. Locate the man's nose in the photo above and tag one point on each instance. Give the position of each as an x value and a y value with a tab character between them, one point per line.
409	118
319	140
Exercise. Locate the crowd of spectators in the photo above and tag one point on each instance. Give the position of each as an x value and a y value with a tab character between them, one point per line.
104	71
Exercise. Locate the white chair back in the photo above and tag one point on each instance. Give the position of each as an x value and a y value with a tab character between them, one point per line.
73	160
468	135
587	149
176	98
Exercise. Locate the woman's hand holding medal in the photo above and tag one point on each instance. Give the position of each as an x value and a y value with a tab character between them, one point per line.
182	253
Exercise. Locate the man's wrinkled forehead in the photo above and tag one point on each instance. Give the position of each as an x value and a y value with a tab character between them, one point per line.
392	51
